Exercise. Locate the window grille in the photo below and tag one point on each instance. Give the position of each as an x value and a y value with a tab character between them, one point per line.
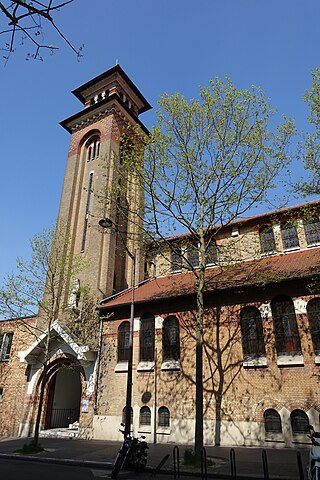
170	339
193	256
6	345
299	421
145	416
313	313
211	253
272	421
163	417
123	342
124	415
252	333
267	240
289	236
285	326
176	262
147	338
312	231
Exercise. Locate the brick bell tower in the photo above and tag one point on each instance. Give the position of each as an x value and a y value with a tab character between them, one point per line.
111	103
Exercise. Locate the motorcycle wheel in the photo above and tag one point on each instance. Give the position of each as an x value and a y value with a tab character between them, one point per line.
117	465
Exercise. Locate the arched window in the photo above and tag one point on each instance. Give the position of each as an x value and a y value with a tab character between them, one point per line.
289	236
145	416
93	148
123	341
313	313
312	231
299	421
147	338
272	421
193	256
124	415
170	339
267	240
252	333
285	326
176	261
163	417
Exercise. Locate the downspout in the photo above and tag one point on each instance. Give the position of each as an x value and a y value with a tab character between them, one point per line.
96	382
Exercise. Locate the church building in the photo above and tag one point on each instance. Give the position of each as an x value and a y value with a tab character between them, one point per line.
261	330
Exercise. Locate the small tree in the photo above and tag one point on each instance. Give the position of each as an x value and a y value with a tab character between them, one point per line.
310	145
38	288
206	163
26	19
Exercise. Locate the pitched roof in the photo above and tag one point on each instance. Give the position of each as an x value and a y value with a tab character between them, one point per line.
266	270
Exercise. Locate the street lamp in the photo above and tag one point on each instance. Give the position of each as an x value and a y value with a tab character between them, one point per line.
106	223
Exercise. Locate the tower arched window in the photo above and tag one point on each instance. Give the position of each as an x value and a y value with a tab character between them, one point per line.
313	313
267	240
272	421
170	339
123	341
299	421
252	333
147	326
285	326
163	417
93	148
145	416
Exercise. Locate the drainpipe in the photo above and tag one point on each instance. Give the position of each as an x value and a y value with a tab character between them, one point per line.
96	380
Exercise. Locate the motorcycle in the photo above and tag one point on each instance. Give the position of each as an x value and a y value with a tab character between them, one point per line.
132	454
314	458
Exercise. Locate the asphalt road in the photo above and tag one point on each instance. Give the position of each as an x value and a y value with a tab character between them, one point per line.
17	469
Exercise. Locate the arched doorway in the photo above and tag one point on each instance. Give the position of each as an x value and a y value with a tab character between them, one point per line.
64	395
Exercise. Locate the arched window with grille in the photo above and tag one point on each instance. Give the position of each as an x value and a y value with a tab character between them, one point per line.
123	341
267	240
299	421
145	416
272	421
170	339
252	333
285	326
211	253
163	417
313	313
93	148
312	231
147	326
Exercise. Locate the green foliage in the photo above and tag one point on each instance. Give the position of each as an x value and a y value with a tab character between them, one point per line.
309	148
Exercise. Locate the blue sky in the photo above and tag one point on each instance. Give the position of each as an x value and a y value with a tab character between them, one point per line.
164	46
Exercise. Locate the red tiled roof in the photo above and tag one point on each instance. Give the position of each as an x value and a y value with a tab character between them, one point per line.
266	270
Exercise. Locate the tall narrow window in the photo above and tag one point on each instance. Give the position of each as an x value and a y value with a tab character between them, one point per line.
93	148
163	417
289	236
267	240
313	313
145	416
193	256
147	338
211	253
176	262
285	326
86	218
272	421
124	415
6	344
252	333
299	421
312	231
123	341
170	339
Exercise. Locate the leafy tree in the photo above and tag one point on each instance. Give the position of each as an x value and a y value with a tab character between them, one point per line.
206	163
26	19
42	286
310	146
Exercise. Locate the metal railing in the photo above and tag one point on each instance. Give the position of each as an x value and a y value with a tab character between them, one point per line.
62	417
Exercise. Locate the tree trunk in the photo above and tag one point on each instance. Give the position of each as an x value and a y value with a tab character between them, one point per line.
40	405
199	369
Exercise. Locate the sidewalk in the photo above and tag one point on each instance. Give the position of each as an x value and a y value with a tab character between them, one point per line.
282	463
